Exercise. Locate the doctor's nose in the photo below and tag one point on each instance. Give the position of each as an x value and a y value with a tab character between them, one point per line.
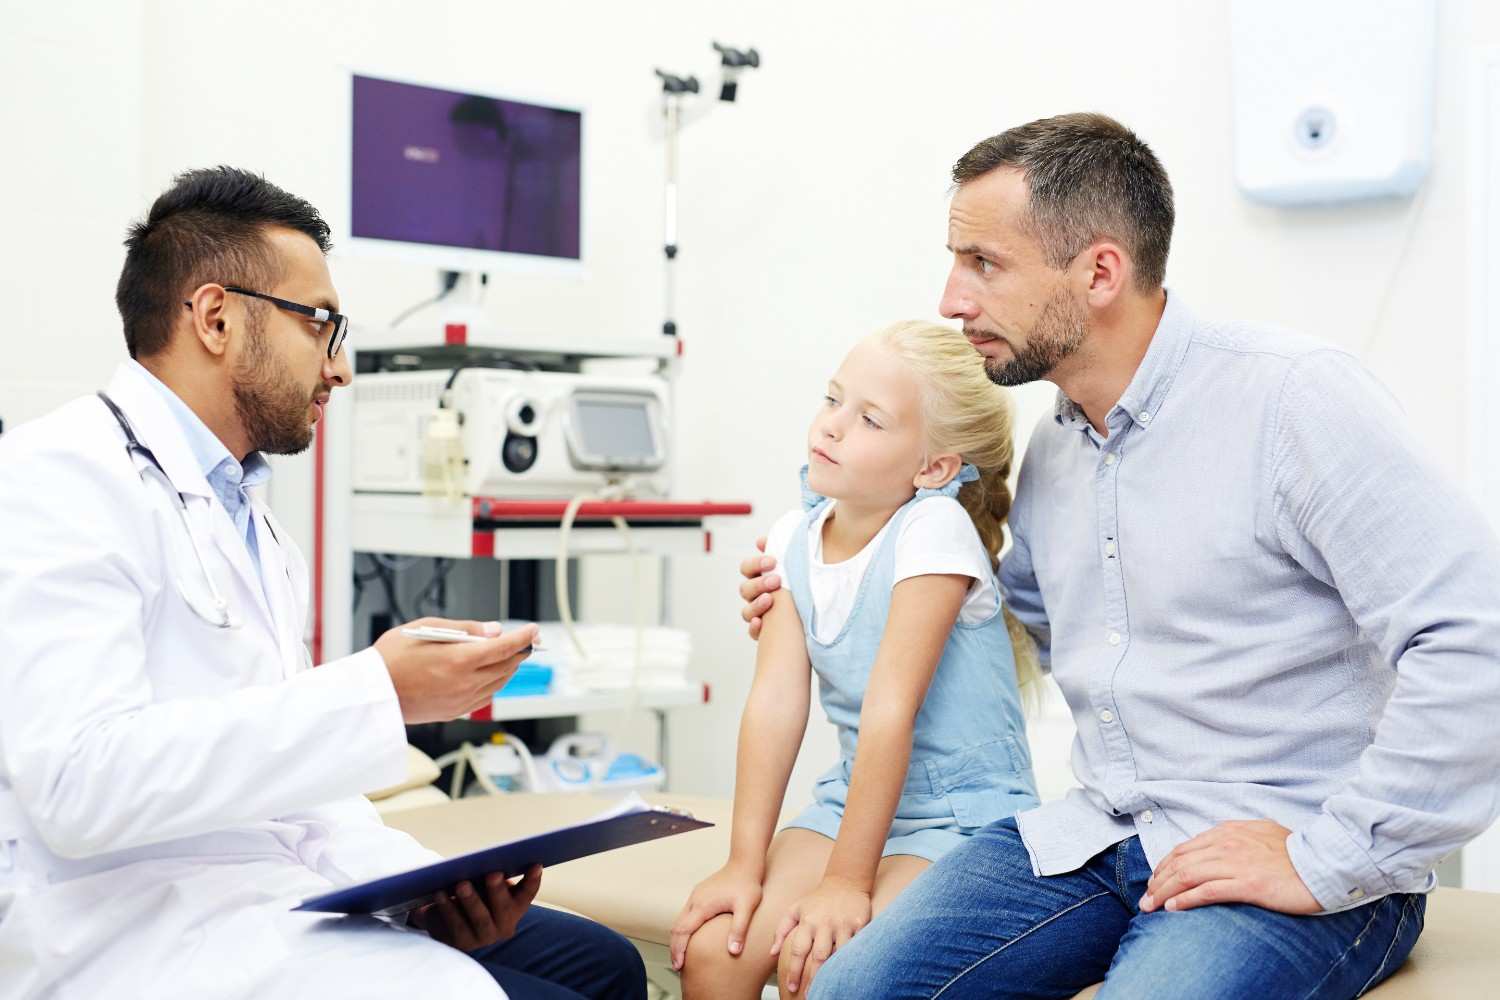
337	370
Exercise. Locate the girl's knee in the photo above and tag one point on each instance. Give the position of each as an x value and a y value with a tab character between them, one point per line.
709	970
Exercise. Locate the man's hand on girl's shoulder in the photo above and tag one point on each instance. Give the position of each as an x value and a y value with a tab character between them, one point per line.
759	587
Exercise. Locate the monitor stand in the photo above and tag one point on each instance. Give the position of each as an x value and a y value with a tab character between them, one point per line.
464	304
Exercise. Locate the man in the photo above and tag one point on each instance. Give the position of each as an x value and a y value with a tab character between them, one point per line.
1275	624
173	780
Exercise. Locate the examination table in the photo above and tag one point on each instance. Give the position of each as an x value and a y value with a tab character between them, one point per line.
639	890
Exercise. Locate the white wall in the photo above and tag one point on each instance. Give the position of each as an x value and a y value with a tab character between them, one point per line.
812	212
70	167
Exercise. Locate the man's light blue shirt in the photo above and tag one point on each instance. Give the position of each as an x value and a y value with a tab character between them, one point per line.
228	478
1261	601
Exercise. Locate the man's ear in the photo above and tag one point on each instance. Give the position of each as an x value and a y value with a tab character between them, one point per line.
1105	273
211	321
938	472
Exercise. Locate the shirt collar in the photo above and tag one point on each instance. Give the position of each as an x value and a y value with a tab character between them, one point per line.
208	451
1153	379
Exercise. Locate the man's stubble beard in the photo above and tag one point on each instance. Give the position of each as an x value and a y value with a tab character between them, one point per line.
1057	334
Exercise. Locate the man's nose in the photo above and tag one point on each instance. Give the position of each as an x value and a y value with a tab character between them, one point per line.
957	303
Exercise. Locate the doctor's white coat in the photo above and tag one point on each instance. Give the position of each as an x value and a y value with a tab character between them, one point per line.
169	789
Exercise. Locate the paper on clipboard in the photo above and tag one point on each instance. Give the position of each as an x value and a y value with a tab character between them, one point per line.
630	822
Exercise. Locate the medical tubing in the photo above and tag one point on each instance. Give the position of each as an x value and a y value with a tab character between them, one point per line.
467	757
565	606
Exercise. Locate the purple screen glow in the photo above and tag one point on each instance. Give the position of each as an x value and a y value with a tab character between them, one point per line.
460	170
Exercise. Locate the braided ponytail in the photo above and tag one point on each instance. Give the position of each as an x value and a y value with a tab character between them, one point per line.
967	413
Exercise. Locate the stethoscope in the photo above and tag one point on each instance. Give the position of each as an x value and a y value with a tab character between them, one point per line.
214	610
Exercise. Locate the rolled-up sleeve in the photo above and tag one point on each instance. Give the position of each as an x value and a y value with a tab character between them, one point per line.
1418	567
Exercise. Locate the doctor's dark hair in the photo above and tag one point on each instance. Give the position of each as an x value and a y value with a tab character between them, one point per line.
1088	177
209	226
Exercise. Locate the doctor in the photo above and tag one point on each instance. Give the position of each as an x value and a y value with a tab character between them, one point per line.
174	777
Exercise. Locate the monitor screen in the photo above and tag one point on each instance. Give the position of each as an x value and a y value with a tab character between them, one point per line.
615	429
449	169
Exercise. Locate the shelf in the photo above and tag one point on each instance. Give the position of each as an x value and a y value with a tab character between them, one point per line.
552	706
437	335
496	509
494	528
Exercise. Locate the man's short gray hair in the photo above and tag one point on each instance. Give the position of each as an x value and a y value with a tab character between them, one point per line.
1089	178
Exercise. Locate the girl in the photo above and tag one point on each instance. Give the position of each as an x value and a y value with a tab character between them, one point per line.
891	598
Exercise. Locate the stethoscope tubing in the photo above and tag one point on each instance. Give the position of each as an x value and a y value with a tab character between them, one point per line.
220	616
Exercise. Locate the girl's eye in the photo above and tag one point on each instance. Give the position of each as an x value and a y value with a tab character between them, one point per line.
870	423
830	401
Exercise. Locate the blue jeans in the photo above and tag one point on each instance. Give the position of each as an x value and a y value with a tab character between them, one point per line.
978	923
557	956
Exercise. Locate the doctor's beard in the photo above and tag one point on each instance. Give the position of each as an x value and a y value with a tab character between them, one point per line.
271	407
1057	333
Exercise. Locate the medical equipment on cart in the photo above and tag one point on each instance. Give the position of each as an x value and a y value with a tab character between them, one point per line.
579	762
511	433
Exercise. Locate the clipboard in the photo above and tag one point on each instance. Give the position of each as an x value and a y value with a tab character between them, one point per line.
634	822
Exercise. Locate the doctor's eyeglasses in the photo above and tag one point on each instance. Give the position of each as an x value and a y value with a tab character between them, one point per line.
335	325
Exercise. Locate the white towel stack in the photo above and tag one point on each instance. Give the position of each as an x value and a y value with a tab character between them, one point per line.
608	666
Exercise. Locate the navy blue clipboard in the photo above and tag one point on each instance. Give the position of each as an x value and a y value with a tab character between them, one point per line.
401	892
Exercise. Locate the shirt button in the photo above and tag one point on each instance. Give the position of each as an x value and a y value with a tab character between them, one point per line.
1147	816
1356	893
1109	458
1145	417
1109	548
1106	716
1114	638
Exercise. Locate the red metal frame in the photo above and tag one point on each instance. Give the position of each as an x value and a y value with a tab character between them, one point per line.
491	509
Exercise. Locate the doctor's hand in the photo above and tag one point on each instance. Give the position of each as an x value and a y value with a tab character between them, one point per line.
759	588
438	681
471	917
1238	862
816	926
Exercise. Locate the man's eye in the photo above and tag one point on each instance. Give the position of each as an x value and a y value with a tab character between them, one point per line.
985	266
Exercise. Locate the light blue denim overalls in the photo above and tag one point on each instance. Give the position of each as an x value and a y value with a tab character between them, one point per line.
969	760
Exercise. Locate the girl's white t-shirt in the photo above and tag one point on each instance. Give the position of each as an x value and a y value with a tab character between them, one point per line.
936	537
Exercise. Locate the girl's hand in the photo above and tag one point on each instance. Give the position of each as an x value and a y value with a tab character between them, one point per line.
819	924
734	890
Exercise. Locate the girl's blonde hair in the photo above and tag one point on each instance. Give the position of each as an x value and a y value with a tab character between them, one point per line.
965	412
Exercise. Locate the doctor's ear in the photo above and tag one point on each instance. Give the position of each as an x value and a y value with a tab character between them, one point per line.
210	320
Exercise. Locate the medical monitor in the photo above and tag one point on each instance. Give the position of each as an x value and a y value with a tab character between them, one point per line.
463	181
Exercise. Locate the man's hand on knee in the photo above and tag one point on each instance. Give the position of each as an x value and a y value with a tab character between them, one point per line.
1238	862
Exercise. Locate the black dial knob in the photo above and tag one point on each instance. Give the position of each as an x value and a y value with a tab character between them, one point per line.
518	452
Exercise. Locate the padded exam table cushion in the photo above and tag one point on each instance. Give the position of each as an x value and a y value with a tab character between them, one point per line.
639	890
